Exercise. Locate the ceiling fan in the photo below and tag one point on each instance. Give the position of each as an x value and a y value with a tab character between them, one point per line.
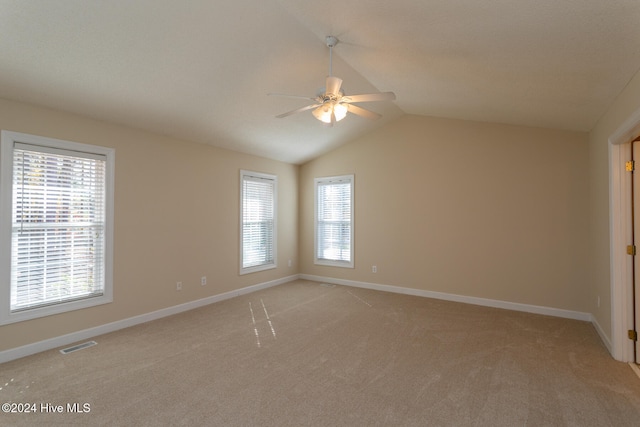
331	104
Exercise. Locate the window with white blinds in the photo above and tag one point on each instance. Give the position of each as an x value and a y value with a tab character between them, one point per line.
258	221
334	221
59	226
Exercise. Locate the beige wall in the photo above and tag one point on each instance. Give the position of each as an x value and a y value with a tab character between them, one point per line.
625	105
466	208
483	210
176	219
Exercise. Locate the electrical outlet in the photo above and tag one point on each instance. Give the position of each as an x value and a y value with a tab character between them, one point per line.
203	280
374	268
598	302
178	286
289	263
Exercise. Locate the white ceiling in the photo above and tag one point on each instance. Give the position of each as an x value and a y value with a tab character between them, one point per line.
200	70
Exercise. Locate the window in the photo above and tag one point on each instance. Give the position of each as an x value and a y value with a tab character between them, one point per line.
56	213
257	221
334	221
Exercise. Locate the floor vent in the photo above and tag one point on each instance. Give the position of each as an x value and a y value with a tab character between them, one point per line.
327	285
78	347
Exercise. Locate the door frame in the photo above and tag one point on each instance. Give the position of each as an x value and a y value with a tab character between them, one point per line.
620	236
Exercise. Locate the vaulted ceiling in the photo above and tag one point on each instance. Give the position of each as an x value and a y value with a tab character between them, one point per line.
201	70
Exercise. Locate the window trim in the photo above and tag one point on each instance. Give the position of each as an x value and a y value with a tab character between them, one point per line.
7	142
270	265
316	259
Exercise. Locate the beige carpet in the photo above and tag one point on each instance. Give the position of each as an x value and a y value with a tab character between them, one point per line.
307	354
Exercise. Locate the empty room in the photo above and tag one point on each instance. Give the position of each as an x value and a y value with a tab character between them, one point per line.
285	213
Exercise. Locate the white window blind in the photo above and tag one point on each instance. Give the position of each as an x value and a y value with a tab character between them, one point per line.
258	230
334	221
58	226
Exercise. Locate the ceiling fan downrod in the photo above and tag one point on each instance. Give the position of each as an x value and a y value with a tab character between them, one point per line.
331	42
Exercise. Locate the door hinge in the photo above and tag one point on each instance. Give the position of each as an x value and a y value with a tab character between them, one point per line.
631	250
630	166
633	335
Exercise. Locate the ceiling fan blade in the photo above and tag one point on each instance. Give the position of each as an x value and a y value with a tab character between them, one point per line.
291	96
299	110
362	112
369	97
333	85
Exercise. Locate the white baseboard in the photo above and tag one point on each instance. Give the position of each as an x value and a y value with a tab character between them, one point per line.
29	349
605	339
548	311
635	368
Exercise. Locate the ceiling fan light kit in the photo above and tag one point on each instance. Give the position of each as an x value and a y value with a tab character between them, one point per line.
332	104
330	112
